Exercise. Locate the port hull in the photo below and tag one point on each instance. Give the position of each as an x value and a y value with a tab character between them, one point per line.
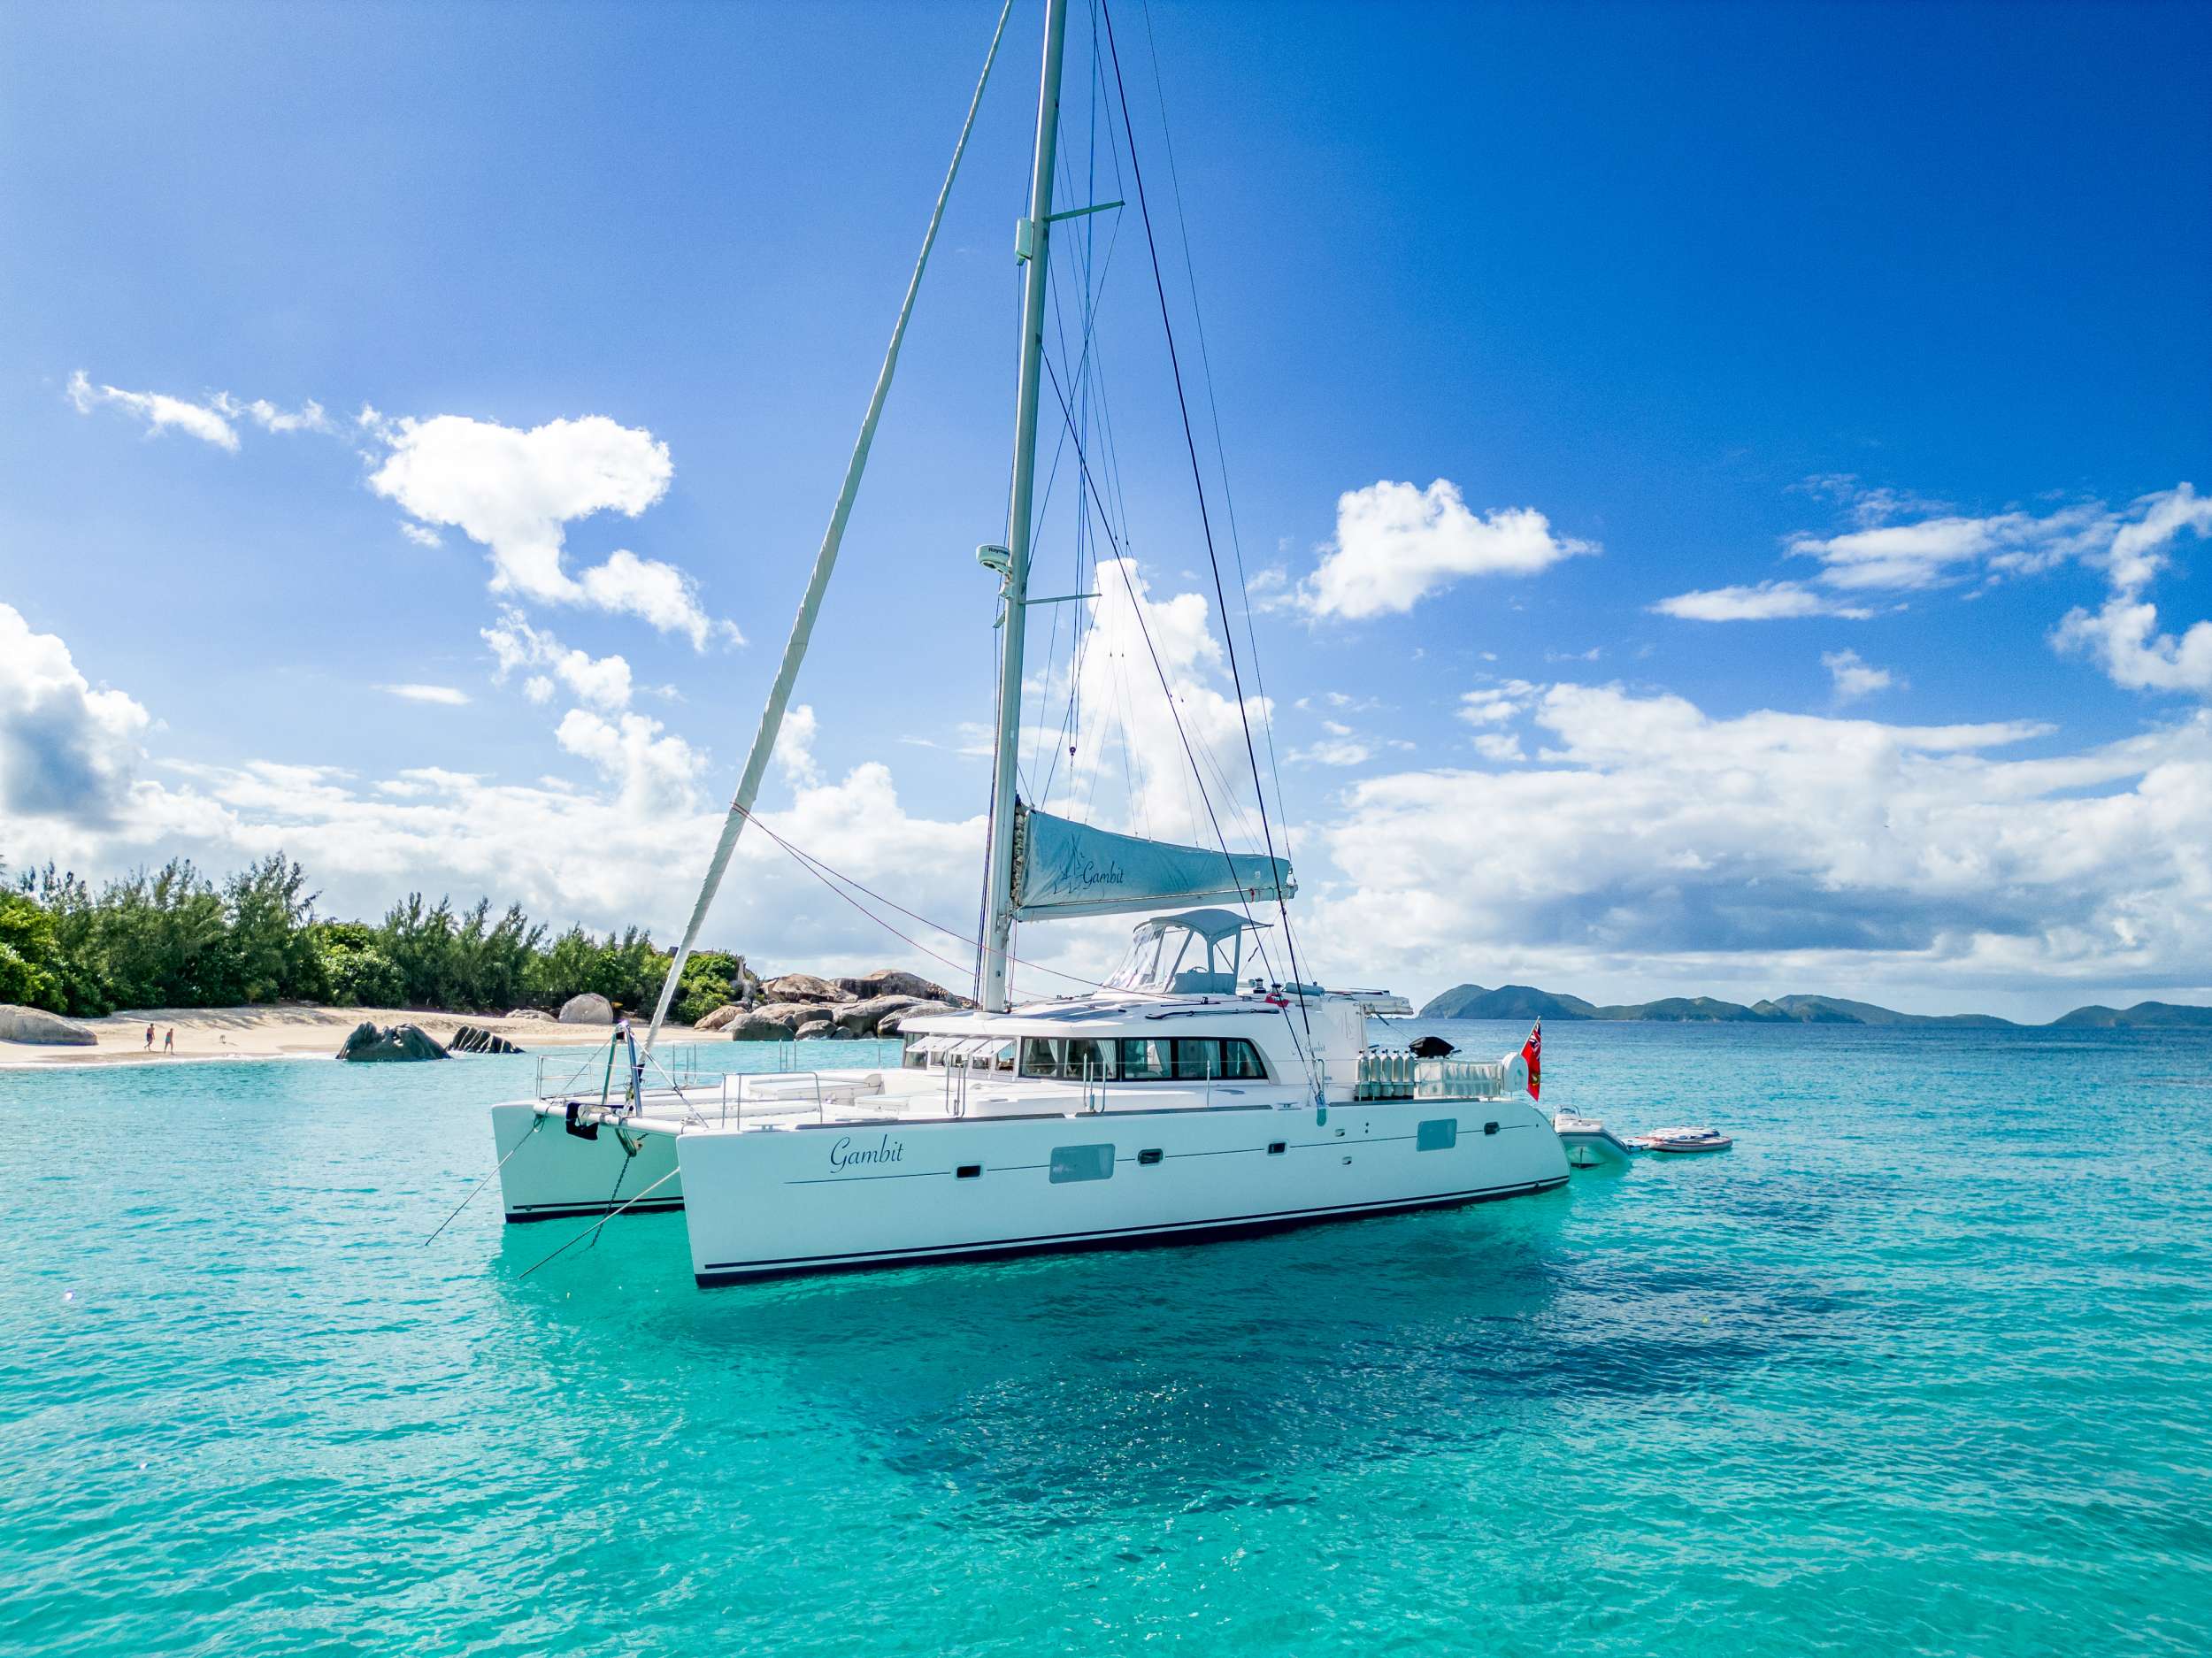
546	1174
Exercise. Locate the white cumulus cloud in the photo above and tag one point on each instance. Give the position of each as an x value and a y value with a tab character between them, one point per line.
653	771
447	695
1650	838
67	750
2122	636
1395	544
309	417
516	492
160	412
603	681
1769	600
794	745
1854	677
213	419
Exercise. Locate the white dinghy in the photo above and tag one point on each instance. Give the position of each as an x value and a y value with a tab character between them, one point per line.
1197	1092
1684	1141
1590	1144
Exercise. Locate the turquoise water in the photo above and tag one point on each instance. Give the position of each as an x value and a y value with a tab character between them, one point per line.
1924	1364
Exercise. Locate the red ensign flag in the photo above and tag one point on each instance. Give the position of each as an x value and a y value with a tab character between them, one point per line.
1532	1051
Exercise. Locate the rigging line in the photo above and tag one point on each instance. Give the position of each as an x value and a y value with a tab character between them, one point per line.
817	580
1136	169
828	876
1071	716
536	1125
594	1230
1079	376
1213	406
1176	713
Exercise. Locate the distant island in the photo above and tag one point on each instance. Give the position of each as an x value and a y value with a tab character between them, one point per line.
1522	1001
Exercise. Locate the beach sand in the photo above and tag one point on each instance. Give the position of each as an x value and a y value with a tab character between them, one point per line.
286	1031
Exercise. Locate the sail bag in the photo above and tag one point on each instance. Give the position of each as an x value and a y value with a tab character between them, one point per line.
1062	868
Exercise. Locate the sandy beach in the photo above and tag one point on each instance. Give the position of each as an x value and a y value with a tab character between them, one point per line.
284	1030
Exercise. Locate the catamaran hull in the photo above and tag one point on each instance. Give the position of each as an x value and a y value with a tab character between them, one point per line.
845	1195
547	1173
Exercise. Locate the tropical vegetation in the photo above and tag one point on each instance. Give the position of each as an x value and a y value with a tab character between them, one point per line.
176	938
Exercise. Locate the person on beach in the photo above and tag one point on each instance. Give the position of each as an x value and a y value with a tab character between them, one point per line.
150	1039
169	1042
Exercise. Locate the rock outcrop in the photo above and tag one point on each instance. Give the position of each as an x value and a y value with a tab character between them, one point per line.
721	1018
372	1042
588	1008
755	1027
891	1023
36	1025
813	1028
803	987
889	981
861	1017
474	1038
528	1013
791	1013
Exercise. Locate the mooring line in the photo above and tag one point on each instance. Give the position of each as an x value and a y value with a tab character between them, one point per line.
481	1185
593	1229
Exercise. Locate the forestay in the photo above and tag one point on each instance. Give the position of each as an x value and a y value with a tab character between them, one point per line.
1062	868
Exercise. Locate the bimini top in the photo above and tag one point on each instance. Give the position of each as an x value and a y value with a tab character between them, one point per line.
1210	924
1193	952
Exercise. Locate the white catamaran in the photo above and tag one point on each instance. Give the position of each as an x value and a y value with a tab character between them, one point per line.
1197	1093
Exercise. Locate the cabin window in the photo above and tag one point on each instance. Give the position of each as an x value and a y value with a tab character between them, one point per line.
1241	1060
1206	1058
1197	1058
1082	1163
1440	1135
1139	1059
1145	1060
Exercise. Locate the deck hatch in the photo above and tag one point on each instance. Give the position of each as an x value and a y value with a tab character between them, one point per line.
1082	1163
1440	1134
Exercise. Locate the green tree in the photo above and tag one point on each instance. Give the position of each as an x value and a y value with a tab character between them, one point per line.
270	913
489	961
417	938
710	979
164	941
353	972
79	965
30	955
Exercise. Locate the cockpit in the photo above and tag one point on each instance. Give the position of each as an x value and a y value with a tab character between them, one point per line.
1198	952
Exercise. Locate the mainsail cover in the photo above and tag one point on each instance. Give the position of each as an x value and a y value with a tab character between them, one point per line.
1062	868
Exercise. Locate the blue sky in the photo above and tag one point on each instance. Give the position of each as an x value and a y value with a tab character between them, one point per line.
1884	330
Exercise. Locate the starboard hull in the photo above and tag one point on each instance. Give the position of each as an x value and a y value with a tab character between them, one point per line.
845	1196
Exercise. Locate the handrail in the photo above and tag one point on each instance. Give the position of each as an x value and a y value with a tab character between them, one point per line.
1396	1073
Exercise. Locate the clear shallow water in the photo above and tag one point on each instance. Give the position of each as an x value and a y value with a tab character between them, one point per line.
1924	1364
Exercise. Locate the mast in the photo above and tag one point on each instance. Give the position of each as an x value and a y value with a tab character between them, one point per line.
1031	242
